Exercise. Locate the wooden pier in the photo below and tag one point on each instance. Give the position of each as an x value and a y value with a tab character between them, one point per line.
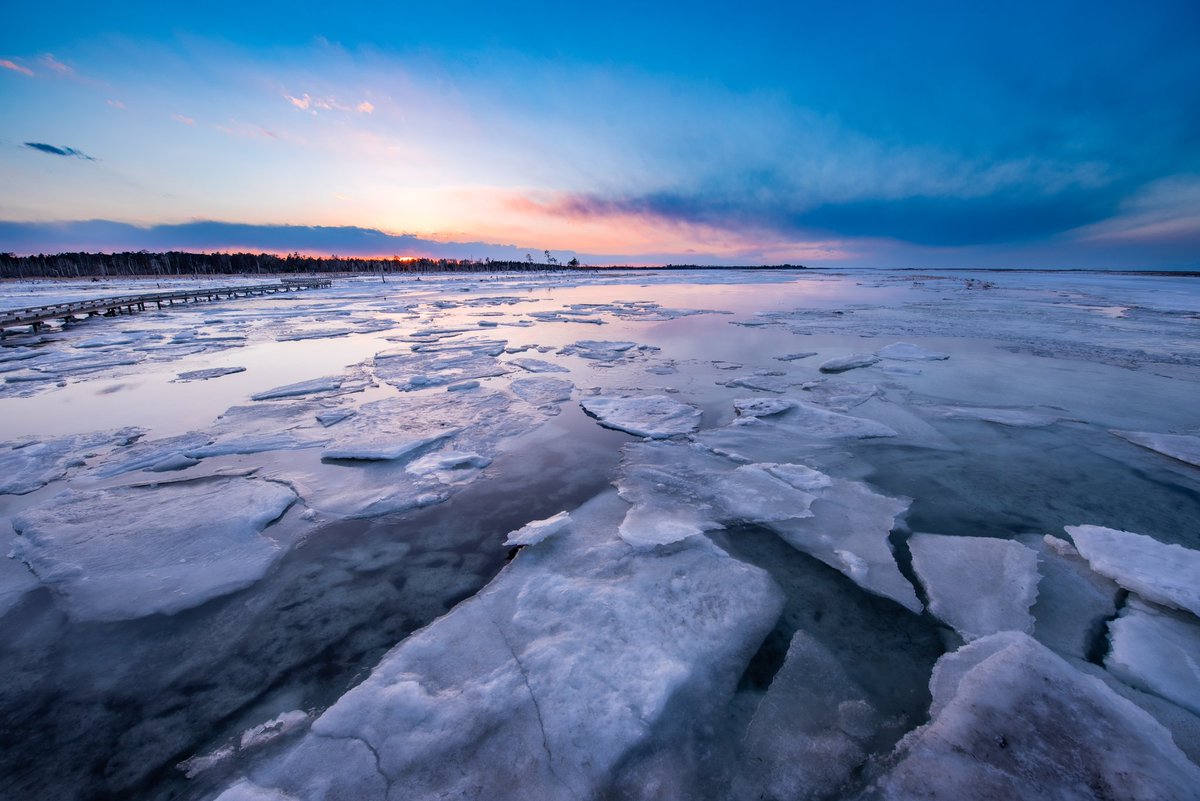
36	316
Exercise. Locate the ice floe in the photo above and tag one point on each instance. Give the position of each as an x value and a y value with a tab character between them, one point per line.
376	450
1012	720
599	350
1073	602
538	366
208	373
1183	447
27	466
538	530
438	364
1166	574
544	393
1017	418
514	695
1157	650
906	352
654	416
977	585
852	362
128	552
315	386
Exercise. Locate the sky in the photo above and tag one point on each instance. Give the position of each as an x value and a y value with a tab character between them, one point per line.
923	134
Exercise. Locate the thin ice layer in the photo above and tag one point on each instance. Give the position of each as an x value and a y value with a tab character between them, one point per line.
27	466
1166	574
1157	650
848	531
810	732
128	552
1012	720
1184	447
538	686
977	585
907	352
654	416
534	532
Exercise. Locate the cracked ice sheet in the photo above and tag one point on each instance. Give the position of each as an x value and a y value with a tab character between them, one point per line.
441	363
1012	720
128	552
977	585
544	393
1157	650
27	466
538	686
786	430
1183	447
1166	574
466	428
654	416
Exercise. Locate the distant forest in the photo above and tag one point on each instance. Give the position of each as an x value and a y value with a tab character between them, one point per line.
175	263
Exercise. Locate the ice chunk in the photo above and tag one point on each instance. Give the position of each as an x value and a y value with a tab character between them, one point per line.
654	416
1073	602
438	364
211	372
273	729
1017	418
843	363
787	435
764	383
27	466
123	553
327	419
848	531
254	443
314	386
1012	720
1157	650
462	385
811	731
538	686
679	490
448	466
538	366
1183	447
376	450
791	357
1166	574
978	585
840	396
538	530
544	393
761	407
599	350
903	351
174	461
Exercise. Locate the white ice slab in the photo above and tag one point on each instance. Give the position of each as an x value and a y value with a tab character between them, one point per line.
377	450
977	585
31	465
538	366
848	531
538	686
599	350
129	552
1157	650
208	373
654	416
1011	720
544	393
1166	574
1017	418
538	530
315	386
852	362
1184	447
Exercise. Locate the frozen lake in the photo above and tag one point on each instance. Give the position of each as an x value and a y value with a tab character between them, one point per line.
824	532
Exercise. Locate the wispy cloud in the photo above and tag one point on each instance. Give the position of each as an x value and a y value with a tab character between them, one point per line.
365	107
115	103
181	118
307	102
54	65
53	150
15	67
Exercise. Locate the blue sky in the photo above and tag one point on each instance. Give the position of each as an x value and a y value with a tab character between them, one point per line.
937	134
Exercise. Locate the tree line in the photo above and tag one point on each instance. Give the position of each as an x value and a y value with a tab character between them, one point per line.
179	263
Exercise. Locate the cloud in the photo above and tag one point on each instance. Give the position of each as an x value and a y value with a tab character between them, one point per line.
53	64
365	107
183	119
115	103
301	103
59	151
10	65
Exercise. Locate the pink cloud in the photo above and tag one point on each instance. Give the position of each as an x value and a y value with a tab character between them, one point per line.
10	65
115	103
183	119
301	103
365	107
54	64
